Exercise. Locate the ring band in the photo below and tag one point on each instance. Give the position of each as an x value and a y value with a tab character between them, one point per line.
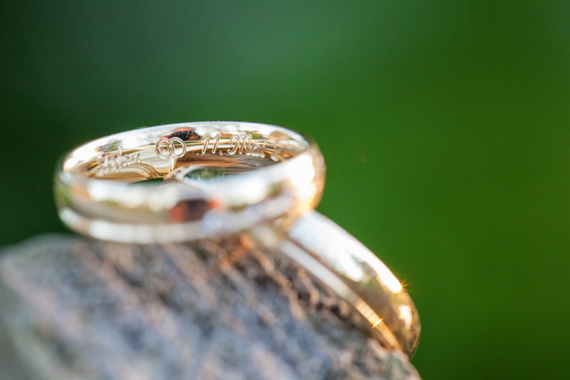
356	274
287	181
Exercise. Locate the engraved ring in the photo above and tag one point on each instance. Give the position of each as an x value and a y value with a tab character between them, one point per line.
281	179
102	188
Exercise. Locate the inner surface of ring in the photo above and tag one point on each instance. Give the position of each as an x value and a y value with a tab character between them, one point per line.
156	153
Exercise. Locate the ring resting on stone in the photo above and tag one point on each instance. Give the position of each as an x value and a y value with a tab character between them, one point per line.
188	181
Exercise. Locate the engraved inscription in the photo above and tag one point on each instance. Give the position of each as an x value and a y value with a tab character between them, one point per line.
238	143
170	147
244	144
175	147
215	139
114	162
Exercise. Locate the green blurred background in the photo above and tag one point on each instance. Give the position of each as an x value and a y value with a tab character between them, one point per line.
444	125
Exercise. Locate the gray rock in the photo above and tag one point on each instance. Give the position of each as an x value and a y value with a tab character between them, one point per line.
74	308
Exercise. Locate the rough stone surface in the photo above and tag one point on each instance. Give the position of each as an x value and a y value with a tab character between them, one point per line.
74	308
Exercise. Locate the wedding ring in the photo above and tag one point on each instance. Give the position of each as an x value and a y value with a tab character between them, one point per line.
175	183
351	270
102	188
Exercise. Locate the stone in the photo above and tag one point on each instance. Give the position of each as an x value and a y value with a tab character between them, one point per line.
75	308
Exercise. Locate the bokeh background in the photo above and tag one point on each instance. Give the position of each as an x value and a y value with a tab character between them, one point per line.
445	126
